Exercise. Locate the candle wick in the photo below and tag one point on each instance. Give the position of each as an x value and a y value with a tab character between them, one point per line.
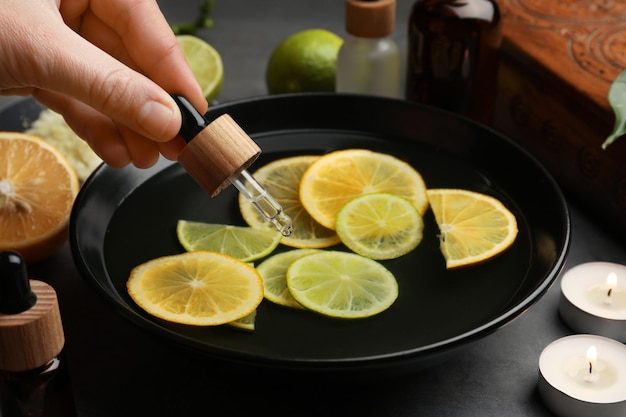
608	294
590	368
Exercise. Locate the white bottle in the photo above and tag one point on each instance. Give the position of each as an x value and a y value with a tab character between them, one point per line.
369	59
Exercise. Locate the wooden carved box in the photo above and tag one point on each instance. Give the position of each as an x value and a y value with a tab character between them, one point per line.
559	58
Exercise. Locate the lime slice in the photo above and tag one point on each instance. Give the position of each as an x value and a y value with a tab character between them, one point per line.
273	270
246	322
342	284
205	62
244	243
380	226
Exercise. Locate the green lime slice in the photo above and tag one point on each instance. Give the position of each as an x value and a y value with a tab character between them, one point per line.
205	62
244	243
380	226
342	284
273	270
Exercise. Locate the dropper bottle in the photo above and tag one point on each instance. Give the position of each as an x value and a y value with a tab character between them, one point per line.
34	379
453	56
369	59
218	154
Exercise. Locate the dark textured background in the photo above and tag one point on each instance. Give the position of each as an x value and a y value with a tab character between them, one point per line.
118	370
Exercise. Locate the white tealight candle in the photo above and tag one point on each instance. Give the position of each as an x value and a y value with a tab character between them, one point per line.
593	299
584	376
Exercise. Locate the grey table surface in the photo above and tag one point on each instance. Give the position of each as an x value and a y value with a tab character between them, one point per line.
119	370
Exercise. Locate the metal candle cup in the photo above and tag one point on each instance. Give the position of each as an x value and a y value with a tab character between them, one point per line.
593	299
584	376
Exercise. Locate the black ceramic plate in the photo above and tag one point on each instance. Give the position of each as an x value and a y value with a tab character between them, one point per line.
123	217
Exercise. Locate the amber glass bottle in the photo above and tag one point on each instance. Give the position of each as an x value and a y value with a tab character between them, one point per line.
453	54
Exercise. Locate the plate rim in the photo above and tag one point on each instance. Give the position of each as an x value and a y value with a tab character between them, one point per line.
351	364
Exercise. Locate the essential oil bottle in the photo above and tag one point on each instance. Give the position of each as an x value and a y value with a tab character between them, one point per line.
453	55
369	59
34	379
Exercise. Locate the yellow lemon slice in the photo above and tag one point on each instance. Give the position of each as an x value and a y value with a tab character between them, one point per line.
199	288
338	177
473	227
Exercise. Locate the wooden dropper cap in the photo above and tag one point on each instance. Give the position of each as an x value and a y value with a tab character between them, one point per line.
215	151
370	18
31	332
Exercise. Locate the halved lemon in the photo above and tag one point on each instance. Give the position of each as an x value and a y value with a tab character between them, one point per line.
38	187
473	227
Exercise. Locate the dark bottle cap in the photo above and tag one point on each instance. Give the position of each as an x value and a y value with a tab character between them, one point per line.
16	295
193	121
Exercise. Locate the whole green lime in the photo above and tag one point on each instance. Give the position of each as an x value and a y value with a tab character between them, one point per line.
304	62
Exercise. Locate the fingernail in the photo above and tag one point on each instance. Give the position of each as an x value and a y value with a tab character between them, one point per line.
156	119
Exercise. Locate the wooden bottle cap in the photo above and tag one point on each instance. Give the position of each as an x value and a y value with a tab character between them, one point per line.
33	337
370	19
219	151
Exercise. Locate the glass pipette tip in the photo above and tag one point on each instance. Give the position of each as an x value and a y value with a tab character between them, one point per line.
262	201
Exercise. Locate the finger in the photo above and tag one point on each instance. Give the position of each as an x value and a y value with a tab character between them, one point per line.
151	44
172	149
93	29
143	152
97	130
95	78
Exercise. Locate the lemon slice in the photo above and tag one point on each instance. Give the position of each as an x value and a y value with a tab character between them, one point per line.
198	288
473	227
273	270
244	243
380	226
338	177
342	284
281	179
205	63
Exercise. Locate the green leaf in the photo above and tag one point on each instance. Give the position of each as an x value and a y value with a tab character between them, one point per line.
617	99
203	21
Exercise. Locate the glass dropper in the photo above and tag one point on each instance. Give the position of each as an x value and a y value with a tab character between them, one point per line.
218	154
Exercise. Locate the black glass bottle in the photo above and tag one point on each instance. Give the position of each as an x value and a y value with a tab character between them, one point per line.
453	54
34	379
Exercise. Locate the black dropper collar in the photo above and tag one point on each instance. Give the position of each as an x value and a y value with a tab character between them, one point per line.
193	121
15	293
